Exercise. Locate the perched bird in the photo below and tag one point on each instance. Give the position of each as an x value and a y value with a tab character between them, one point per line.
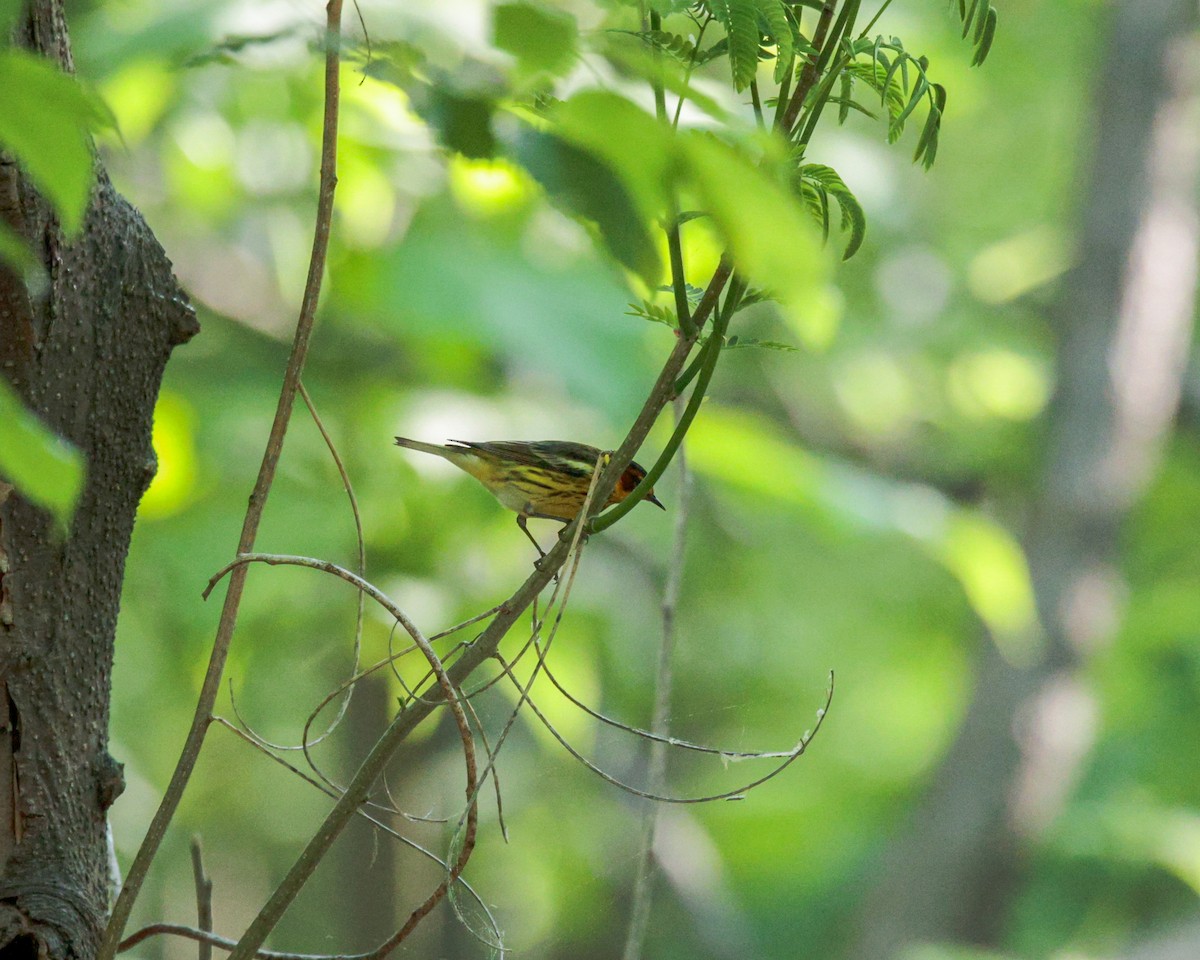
540	478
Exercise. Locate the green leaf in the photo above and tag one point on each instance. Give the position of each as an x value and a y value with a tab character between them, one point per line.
672	44
458	107
978	21
633	143
456	281
646	65
983	45
735	342
845	100
928	143
854	221
779	27
461	121
655	312
542	40
918	92
45	122
229	49
668	7
45	469
771	239
583	184
848	105
740	19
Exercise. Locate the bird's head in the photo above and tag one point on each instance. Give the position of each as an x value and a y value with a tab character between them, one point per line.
631	478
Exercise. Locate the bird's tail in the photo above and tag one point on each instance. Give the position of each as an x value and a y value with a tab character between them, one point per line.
436	449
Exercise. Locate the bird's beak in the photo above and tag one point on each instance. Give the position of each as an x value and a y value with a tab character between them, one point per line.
651	498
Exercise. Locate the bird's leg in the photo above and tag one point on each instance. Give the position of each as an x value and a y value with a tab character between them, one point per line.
521	518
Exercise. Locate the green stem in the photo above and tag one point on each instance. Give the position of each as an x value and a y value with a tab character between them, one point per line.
822	97
687	73
812	68
674	242
757	103
785	88
708	364
689	374
841	29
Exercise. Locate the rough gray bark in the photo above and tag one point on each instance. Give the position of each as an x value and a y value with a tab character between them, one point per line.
1124	320
88	358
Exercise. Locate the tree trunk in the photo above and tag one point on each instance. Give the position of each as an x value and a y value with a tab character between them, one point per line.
87	357
1124	319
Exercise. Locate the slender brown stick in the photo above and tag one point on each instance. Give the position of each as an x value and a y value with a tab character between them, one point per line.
269	916
378	824
204	889
643	885
472	803
484	647
254	510
214	940
808	76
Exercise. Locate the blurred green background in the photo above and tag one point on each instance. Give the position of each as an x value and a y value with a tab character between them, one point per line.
858	507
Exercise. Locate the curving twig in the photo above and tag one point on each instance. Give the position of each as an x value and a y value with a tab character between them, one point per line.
362	572
788	758
215	940
639	909
204	890
487	643
374	821
450	695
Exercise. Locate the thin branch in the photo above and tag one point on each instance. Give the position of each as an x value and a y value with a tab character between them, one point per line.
674	242
756	103
221	722
712	352
577	555
639	910
875	19
254	510
204	889
362	565
270	914
841	30
736	793
687	73
653	737
488	642
212	939
472	805
808	76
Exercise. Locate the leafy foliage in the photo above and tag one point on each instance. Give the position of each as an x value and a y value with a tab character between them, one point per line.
750	23
655	312
738	341
45	122
584	185
679	47
818	183
901	82
740	19
822	539
44	468
978	19
542	40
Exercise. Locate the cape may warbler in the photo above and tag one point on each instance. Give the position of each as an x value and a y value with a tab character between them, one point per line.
541	478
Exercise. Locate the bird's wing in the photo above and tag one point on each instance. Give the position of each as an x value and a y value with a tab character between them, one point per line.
561	455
